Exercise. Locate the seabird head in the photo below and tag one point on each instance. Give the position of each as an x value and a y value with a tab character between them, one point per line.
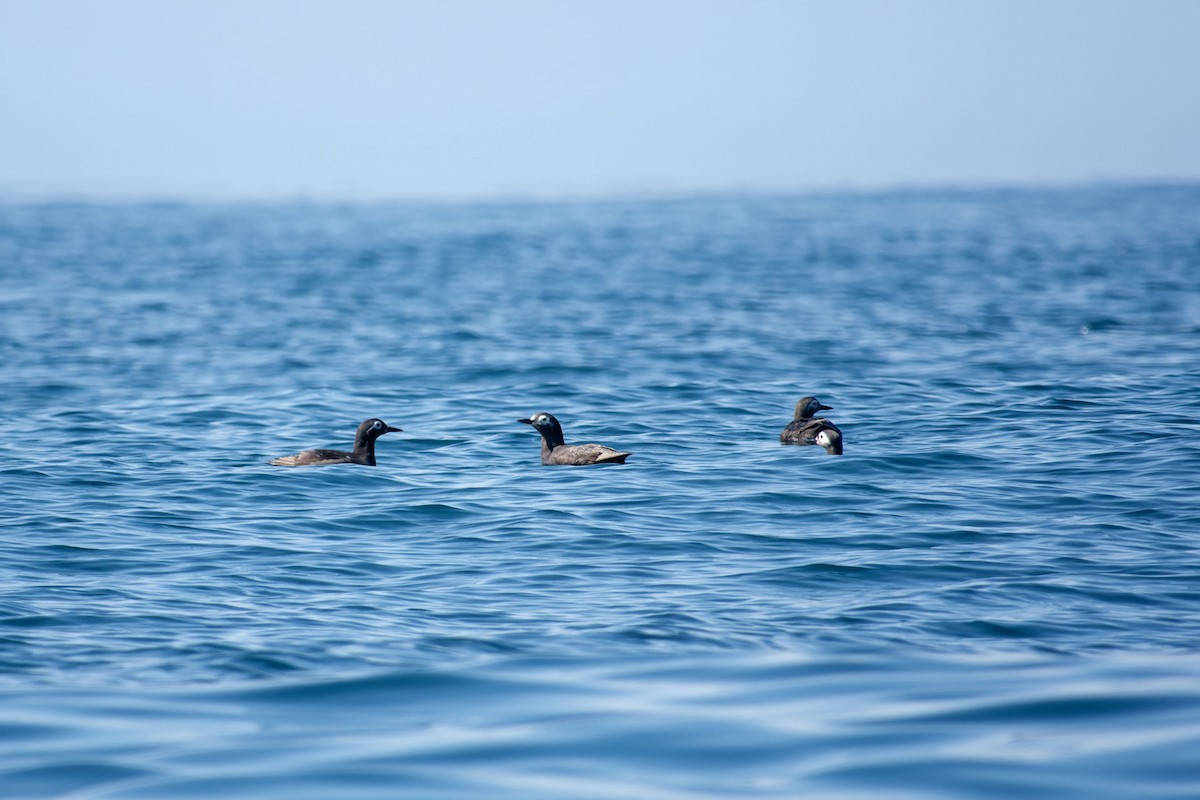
808	406
831	440
374	428
547	426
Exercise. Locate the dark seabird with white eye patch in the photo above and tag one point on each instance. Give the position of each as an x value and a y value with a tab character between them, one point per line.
556	451
831	439
364	449
803	429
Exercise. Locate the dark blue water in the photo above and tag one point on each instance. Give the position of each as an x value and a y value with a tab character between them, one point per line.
994	593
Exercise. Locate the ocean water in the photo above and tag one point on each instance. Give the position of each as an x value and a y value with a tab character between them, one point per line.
994	593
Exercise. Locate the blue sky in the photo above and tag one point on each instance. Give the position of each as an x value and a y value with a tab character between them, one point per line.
367	99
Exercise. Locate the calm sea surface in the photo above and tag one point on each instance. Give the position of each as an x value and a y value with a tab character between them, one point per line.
995	592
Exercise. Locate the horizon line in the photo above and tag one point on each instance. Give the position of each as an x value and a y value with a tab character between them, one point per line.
16	196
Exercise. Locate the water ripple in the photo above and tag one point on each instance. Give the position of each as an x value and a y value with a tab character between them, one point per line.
992	594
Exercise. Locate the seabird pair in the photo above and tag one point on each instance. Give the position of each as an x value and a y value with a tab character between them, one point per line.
804	429
554	449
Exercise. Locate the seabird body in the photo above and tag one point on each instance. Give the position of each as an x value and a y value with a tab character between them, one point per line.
803	428
556	451
363	453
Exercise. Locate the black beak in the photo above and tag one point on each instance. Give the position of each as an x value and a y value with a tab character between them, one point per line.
824	408
526	421
390	429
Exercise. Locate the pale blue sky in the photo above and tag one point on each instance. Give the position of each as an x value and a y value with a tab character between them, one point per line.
368	99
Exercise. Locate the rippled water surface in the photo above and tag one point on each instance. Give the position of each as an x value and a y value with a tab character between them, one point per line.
994	593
